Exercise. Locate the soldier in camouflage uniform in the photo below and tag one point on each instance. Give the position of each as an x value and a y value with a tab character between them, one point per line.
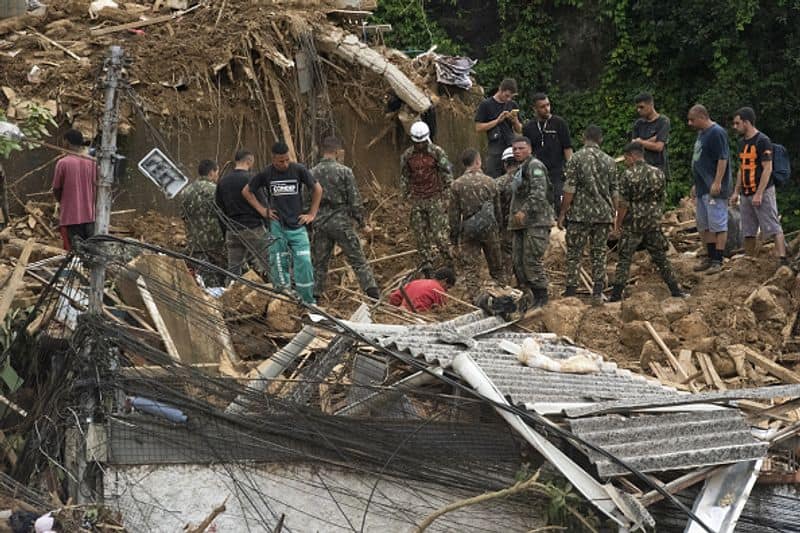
474	212
531	217
510	166
642	190
590	192
204	234
339	208
425	178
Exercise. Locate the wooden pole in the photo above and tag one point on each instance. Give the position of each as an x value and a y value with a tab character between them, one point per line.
108	150
287	133
15	280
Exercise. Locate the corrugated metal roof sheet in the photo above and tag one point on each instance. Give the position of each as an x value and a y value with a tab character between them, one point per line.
779	391
649	442
653	443
440	343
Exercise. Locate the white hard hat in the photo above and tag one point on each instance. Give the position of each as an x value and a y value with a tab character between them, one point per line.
420	132
508	153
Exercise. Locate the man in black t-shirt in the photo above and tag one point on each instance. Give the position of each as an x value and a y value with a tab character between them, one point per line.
651	130
498	116
551	143
283	182
759	206
246	239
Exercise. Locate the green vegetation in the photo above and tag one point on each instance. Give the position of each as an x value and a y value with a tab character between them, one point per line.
593	57
34	127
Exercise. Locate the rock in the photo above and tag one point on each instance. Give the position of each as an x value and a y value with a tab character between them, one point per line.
692	326
650	352
764	304
634	335
784	278
674	308
642	306
284	316
239	299
563	316
725	364
704	344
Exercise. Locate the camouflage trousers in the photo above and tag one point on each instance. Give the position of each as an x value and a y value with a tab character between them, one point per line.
656	245
530	245
431	231
471	254
211	278
338	230
248	246
579	234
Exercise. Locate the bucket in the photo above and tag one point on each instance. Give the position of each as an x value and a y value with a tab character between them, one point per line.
12	8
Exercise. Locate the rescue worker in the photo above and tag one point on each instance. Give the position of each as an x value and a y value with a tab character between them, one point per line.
203	232
474	212
504	182
425	179
339	208
590	192
642	190
531	217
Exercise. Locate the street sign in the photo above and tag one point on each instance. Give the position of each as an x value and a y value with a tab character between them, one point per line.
163	172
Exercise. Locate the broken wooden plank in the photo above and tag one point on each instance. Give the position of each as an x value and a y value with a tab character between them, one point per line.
16	279
161	326
333	40
61	47
679	484
39	251
32	212
377	260
156	371
670	356
716	381
141	23
284	121
784	374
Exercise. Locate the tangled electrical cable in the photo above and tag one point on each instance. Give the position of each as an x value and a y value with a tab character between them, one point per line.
535	420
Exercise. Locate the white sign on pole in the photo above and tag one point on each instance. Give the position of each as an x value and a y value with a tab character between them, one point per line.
163	172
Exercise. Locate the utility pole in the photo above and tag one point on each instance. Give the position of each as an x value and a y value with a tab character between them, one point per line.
108	152
85	447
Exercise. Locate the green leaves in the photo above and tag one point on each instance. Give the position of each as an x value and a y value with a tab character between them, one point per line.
36	127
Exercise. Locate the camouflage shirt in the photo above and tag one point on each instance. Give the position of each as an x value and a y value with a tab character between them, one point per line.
340	196
505	192
425	173
591	175
642	193
199	213
468	194
532	194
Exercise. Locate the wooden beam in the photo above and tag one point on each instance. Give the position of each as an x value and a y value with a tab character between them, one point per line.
670	356
679	484
705	359
141	23
287	133
784	374
378	260
16	278
61	47
161	326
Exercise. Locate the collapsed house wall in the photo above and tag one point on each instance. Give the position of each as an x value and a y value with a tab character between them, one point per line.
164	498
379	163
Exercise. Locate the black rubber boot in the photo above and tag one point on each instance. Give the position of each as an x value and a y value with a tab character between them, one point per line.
616	293
570	291
540	298
373	293
597	293
676	291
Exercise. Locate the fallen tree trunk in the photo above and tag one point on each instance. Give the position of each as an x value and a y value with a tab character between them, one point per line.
334	40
